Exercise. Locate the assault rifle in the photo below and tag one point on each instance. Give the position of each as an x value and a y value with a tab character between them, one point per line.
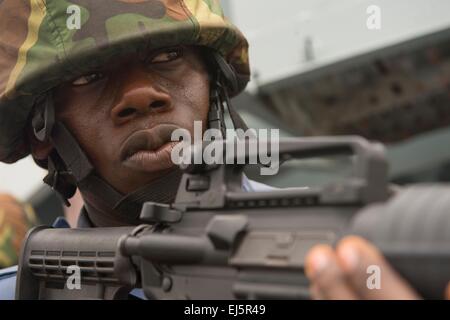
219	242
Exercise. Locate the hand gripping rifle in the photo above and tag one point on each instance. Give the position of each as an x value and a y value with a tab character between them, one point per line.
219	242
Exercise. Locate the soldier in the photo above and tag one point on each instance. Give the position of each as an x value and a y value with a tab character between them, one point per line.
96	105
15	220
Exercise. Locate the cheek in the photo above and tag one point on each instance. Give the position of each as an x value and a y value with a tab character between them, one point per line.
82	115
193	98
90	139
197	92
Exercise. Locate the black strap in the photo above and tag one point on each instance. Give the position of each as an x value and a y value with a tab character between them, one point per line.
69	150
236	118
216	118
44	118
227	82
226	72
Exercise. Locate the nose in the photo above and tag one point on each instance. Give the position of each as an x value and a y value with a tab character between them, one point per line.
139	96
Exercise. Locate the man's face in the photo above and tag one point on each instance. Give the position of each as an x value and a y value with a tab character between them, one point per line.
123	115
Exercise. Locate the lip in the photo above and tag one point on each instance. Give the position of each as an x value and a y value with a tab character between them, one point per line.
149	149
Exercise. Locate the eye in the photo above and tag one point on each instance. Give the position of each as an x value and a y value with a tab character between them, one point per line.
87	79
167	55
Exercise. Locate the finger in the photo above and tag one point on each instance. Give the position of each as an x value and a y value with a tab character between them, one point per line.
368	272
447	292
327	279
315	292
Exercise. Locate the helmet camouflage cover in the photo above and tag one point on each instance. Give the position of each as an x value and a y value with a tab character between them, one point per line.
39	49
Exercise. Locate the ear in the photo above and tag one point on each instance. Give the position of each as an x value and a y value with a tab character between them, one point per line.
39	150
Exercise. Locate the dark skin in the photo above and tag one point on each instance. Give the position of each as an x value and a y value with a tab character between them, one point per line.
103	109
341	273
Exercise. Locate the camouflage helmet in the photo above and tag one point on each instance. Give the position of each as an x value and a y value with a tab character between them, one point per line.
39	49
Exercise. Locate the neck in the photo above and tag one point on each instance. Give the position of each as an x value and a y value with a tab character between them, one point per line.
126	213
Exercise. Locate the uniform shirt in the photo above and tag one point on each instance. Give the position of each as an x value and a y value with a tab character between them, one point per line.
8	276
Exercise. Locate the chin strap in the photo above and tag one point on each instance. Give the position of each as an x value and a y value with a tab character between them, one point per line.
226	82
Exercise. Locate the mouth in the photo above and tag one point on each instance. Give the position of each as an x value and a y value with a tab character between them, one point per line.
149	150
